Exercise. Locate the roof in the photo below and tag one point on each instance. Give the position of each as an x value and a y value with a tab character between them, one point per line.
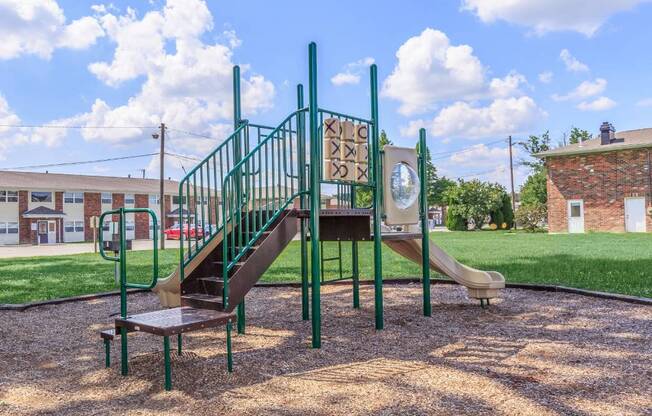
42	211
68	182
629	139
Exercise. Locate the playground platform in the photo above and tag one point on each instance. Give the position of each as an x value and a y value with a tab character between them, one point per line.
530	353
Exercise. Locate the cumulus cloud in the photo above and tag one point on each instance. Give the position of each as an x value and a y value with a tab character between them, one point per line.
480	155
572	63
189	88
429	69
508	86
583	16
644	102
352	72
599	104
586	89
38	27
503	116
546	77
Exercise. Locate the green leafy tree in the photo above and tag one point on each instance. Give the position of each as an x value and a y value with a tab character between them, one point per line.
532	146
508	212
456	223
534	190
531	217
474	200
431	178
578	135
364	196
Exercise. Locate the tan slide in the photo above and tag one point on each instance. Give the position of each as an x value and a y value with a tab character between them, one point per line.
169	289
480	284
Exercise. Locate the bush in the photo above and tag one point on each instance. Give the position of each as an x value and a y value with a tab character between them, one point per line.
456	222
508	213
531	217
497	219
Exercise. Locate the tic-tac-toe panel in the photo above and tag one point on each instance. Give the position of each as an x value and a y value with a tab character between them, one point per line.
361	172
331	127
361	133
332	169
347	170
332	148
361	153
348	151
346	130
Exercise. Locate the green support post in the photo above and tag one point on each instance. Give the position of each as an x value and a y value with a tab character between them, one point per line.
425	243
375	160
124	356
301	140
166	358
237	119
178	344
315	191
355	271
107	353
229	352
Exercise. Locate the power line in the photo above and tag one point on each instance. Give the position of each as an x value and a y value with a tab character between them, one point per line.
55	126
464	149
190	133
182	156
480	173
83	162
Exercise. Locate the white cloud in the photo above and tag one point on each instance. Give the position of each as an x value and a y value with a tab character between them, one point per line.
501	117
508	86
645	102
352	72
572	63
481	155
430	69
546	77
583	16
585	90
599	104
188	88
38	27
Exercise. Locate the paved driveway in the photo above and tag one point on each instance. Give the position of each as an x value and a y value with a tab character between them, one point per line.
70	248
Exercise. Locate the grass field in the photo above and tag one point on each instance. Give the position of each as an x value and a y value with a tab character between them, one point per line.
619	263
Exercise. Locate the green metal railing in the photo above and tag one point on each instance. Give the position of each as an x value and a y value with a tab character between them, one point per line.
259	188
121	258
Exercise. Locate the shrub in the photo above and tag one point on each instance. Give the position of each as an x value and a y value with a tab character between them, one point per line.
497	218
508	213
531	217
456	222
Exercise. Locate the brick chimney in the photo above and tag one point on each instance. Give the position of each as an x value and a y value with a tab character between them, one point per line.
607	133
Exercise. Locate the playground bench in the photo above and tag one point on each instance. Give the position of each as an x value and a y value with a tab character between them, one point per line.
168	322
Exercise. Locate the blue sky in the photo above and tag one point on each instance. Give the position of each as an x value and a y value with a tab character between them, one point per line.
471	71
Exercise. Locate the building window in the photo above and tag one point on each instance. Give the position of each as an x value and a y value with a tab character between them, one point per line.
41	196
8	196
79	226
74	226
8	228
175	199
575	210
107	198
154	200
73	197
106	226
130	225
3	228
129	199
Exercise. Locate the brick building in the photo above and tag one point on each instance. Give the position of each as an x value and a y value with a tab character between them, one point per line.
602	184
46	208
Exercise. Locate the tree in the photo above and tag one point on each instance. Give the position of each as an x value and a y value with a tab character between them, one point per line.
508	212
578	136
431	178
534	190
474	200
531	217
363	195
534	145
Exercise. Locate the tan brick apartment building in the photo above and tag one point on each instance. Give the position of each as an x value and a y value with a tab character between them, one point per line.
603	184
46	208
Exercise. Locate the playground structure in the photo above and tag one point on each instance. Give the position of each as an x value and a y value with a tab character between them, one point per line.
260	187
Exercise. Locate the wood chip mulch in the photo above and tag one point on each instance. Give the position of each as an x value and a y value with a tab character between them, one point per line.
530	353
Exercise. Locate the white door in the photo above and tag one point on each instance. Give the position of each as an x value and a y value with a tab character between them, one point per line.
52	232
576	216
635	215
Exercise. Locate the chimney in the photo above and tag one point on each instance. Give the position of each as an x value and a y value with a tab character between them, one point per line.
607	133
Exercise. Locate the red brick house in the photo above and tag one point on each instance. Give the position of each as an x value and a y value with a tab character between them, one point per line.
602	184
46	208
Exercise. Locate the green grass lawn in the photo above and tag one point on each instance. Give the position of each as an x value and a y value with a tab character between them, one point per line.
619	263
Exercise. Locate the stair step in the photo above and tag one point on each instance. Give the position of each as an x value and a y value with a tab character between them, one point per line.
202	301
173	321
211	279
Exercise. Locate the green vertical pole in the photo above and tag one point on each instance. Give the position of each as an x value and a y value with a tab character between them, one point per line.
229	351
166	358
355	272
179	344
123	292
425	242
301	143
315	190
375	160
237	118
107	353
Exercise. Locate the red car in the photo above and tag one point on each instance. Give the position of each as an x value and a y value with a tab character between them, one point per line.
174	232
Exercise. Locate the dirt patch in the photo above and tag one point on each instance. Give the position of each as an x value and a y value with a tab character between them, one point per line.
530	353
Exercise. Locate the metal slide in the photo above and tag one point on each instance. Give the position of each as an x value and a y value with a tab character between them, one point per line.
480	284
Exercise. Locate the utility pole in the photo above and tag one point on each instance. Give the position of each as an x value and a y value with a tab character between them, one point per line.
161	136
511	174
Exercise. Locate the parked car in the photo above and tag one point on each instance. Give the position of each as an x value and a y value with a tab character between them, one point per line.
174	232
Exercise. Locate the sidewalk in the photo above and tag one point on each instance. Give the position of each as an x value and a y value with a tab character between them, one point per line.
70	248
